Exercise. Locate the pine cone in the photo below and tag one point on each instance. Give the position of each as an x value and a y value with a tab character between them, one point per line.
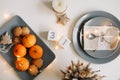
80	72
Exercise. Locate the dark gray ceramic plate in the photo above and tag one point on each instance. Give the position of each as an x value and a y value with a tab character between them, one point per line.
100	56
48	55
100	21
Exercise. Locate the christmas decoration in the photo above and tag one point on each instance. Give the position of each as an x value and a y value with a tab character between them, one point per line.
5	43
62	19
6	39
80	72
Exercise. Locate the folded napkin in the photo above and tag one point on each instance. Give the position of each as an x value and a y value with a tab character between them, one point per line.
105	37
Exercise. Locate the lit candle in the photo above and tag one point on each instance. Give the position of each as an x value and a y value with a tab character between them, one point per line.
57	46
119	38
6	16
59	6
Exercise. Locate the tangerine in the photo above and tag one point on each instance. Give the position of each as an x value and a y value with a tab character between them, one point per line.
22	64
36	52
19	50
29	40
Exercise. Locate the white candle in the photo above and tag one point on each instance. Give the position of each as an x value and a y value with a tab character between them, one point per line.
59	6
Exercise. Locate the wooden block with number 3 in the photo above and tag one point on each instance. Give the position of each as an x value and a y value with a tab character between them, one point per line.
52	35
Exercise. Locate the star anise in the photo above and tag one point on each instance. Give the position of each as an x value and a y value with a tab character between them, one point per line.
62	19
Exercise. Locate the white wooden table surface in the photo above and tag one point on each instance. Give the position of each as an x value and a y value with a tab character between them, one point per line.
38	15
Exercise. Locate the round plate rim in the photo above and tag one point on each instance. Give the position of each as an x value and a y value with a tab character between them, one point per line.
79	50
110	54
